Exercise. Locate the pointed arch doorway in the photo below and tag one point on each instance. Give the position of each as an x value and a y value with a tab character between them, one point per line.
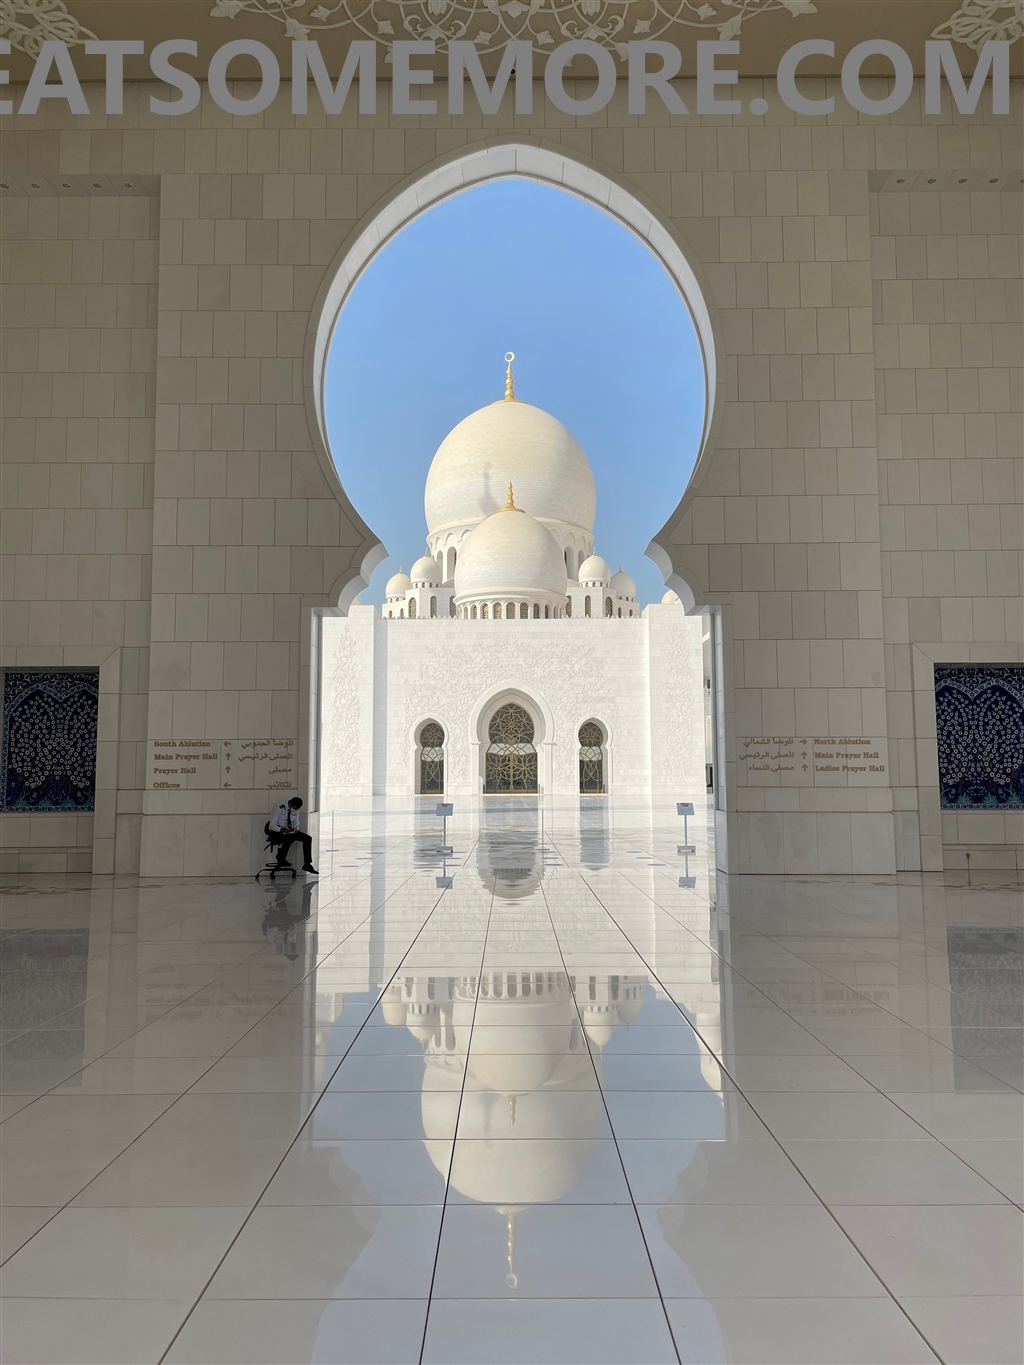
510	760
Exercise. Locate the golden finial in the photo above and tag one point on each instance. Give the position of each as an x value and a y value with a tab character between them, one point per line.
510	506
510	393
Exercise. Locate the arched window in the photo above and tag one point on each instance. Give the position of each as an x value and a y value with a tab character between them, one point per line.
473	613
412	608
497	611
451	564
607	606
433	606
431	758
510	611
524	610
587	604
402	614
511	759
536	611
591	739
620	611
483	612
547	612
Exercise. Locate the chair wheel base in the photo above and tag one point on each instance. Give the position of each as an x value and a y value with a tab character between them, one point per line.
272	870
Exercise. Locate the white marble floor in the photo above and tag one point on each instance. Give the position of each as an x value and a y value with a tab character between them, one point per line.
560	1096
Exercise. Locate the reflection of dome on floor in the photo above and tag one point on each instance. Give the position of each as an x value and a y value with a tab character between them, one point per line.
508	1057
502	1165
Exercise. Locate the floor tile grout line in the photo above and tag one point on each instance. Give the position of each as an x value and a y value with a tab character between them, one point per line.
94	998
205	986
839	981
455	1131
769	939
64	1207
825	1206
845	1061
608	1118
634	922
851	942
309	1115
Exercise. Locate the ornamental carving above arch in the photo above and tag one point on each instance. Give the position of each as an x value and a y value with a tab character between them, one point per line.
490	24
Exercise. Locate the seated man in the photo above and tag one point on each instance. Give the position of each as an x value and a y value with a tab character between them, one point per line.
284	820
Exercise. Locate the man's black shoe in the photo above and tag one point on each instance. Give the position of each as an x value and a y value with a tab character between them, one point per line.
310	868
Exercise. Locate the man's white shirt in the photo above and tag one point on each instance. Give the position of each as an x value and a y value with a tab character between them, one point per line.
282	817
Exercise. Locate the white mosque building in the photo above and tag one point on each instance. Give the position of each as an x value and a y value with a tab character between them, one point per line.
510	659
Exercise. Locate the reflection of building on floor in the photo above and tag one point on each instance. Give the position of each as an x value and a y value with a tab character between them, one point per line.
45	975
512	659
284	919
986	973
516	1053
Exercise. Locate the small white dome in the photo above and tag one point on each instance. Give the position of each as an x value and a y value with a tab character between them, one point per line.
509	440
671	599
426	570
623	584
510	554
594	570
398	585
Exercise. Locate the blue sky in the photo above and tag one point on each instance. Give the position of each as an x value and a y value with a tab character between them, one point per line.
602	338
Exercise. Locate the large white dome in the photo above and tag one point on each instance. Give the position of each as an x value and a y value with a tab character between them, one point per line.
509	441
510	554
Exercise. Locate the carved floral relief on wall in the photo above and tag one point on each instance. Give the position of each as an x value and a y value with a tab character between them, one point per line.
490	24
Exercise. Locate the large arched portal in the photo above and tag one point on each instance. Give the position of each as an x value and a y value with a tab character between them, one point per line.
580	408
451	177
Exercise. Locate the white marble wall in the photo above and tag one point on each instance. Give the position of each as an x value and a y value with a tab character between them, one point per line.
640	679
795	525
79	314
947	347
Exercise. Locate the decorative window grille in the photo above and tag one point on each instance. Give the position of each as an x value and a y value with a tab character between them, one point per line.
431	758
591	739
511	759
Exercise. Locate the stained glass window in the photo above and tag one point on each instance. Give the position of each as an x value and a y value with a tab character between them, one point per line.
979	717
49	739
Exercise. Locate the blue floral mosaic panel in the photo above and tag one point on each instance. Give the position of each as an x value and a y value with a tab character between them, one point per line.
979	714
49	740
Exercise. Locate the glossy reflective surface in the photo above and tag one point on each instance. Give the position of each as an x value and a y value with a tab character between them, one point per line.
557	1097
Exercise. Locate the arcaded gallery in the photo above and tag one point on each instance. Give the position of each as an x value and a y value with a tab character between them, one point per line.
512	845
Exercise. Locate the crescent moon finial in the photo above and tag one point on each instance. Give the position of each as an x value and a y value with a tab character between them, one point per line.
510	392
